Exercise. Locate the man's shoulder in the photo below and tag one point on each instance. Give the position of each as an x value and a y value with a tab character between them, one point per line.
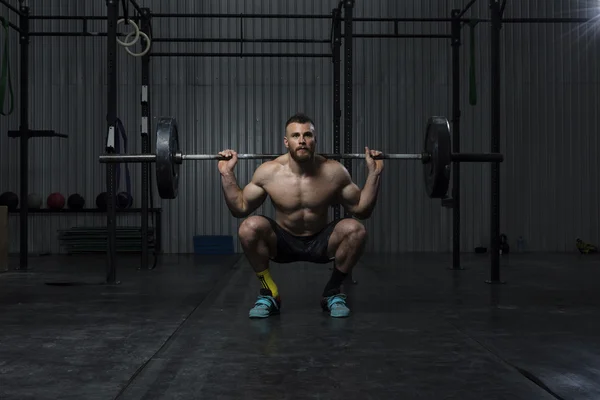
334	168
271	165
331	164
267	169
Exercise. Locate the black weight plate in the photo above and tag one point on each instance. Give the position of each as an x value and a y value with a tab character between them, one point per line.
167	170
438	147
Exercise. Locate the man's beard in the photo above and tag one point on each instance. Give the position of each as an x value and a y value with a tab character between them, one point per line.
302	156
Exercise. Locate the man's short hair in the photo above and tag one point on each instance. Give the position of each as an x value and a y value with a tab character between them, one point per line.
299	118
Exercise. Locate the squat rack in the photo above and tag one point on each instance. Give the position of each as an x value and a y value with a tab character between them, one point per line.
456	20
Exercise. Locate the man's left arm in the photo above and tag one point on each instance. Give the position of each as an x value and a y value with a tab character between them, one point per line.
361	203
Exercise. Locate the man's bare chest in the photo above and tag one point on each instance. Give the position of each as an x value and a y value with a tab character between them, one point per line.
290	192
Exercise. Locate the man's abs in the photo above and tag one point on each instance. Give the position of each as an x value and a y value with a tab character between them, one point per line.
302	222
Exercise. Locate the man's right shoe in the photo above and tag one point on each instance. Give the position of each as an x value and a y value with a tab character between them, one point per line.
265	306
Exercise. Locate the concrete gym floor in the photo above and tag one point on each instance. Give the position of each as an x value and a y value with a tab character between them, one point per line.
417	330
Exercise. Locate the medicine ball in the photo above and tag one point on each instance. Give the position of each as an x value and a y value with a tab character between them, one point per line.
34	201
101	201
10	200
76	201
124	200
55	201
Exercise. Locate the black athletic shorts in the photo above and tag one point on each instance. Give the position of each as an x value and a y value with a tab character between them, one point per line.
311	248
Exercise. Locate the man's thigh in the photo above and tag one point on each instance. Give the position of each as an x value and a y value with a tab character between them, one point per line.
327	241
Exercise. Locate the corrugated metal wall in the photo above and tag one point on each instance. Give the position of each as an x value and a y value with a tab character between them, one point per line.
549	93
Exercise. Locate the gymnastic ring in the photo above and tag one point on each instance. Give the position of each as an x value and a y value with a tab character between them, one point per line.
136	31
143	53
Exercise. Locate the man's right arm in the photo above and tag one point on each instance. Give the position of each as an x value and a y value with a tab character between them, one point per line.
242	203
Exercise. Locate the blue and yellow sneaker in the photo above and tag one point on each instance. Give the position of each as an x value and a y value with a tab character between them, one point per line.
265	306
335	303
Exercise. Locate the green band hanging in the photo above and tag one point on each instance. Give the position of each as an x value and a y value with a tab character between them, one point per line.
5	75
472	78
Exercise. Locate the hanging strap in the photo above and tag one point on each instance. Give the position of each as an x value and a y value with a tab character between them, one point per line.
5	74
120	130
125	4
472	77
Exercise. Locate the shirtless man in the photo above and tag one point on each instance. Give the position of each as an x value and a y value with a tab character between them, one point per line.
302	186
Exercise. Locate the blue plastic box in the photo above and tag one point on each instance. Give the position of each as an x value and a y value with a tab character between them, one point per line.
213	244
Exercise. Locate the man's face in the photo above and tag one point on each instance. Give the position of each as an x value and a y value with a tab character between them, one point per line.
300	141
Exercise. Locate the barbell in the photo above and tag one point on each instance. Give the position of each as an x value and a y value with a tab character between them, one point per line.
436	157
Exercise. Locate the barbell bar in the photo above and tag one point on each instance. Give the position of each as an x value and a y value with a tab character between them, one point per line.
437	157
179	157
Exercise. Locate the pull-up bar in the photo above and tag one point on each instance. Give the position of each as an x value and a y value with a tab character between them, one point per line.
78	17
242	55
323	41
248	16
544	20
296	16
235	40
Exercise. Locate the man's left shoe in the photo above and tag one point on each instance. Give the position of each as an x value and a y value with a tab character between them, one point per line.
335	303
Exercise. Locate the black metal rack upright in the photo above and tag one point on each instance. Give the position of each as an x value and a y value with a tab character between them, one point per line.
495	9
146	129
23	133
456	113
111	116
24	144
348	85
337	102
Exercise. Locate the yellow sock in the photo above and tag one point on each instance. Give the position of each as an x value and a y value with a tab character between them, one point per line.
267	282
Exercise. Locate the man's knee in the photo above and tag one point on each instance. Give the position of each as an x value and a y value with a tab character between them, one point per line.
349	232
353	231
253	229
